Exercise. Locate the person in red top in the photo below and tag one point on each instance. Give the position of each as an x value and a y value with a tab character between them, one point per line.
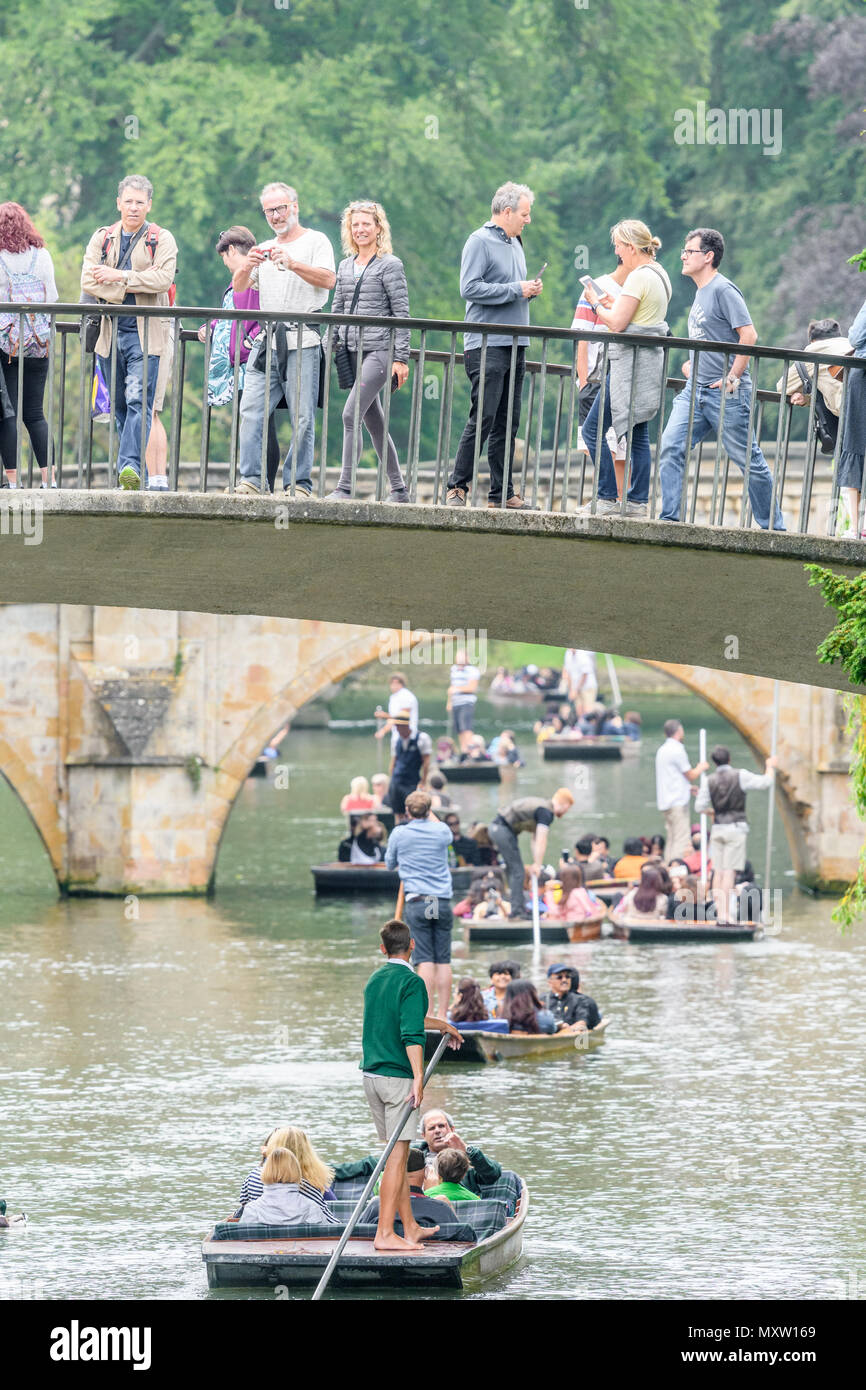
358	797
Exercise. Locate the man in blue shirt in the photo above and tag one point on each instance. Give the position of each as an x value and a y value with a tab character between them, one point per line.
418	851
493	282
718	314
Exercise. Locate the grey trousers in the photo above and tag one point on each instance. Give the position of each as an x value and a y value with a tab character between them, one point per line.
505	841
374	373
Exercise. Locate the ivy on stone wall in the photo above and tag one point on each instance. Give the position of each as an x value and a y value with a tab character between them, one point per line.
846	644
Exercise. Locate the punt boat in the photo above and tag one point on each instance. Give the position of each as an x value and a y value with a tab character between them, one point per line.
561	748
480	1243
609	888
371	878
681	933
518	930
383	814
482	1046
514	697
481	771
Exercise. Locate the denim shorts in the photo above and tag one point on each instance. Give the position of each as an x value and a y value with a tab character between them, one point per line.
432	935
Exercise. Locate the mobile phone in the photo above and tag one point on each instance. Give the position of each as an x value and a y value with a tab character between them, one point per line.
395	382
599	290
542	270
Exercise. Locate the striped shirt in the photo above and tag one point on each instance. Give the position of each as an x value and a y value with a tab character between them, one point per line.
462	676
253	1187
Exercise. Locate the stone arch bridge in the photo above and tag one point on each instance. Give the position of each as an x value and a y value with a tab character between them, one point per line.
127	733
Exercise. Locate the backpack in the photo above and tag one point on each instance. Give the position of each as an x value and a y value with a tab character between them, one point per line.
24	288
151	241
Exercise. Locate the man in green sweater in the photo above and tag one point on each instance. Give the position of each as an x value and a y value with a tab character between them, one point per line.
395	1017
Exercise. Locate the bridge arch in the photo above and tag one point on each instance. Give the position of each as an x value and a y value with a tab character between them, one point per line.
42	809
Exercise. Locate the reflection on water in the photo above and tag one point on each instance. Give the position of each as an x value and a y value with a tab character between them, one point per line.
712	1147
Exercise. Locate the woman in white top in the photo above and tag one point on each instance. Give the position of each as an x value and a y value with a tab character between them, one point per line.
26	272
647	902
639	308
282	1202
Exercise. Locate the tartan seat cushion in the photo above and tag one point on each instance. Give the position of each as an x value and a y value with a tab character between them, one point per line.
233	1230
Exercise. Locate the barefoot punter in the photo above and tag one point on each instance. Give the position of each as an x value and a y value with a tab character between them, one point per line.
395	1017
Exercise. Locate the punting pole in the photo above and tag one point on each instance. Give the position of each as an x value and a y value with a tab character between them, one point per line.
371	1181
768	863
536	924
703	759
614	683
401	898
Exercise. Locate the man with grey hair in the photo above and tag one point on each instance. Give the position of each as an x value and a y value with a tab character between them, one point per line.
131	262
493	282
293	272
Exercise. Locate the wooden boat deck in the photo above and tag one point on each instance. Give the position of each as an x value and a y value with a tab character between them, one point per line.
480	1047
469	771
682	933
589	749
519	929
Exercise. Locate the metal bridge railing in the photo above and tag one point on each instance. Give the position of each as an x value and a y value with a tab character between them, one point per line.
551	469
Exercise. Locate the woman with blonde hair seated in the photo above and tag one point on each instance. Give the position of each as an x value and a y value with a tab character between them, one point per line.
283	1201
358	797
640	308
316	1177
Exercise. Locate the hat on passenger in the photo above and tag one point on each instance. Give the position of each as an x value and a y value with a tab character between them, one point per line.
559	969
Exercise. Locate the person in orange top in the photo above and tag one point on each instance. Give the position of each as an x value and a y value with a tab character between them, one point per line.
633	859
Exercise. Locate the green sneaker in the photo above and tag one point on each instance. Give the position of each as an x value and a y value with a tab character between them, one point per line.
129	479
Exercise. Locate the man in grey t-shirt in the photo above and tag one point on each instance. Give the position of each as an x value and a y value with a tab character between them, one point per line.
718	314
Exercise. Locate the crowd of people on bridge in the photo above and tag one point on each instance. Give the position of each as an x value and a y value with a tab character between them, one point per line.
292	271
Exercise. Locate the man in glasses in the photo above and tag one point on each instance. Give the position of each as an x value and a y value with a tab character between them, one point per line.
293	271
718	314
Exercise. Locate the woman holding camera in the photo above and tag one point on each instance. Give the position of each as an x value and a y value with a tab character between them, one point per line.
371	281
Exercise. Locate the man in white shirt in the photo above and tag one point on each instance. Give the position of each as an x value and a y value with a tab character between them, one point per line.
401	698
293	272
462	698
674	777
581	680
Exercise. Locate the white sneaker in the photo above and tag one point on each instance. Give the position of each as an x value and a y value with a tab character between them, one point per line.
157	485
635	508
604	507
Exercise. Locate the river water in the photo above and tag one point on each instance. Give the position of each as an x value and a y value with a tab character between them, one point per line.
713	1147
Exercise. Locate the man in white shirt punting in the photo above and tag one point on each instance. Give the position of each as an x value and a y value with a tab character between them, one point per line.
674	778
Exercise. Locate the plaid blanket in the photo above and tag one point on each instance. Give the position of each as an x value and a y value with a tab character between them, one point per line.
506	1189
482	1219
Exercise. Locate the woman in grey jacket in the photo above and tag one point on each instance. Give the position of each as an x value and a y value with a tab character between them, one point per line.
366	238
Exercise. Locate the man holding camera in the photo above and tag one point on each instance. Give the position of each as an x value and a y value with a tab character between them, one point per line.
293	272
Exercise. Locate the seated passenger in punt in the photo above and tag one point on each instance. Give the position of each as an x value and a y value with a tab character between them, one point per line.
465	849
476	750
469	1005
379	785
439	793
452	1166
647	902
316	1177
503	749
501	974
283	1202
693	860
627	725
685	903
592	863
439	1135
575	902
524	1010
488	853
358	797
573	1011
632	860
489	898
426	1210
365	844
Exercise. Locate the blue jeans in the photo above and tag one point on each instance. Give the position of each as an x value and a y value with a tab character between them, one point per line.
302	413
641	458
735	430
126	397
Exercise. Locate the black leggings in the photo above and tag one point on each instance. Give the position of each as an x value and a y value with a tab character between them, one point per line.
32	414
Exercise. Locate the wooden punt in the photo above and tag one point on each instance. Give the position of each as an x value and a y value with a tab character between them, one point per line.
608	888
233	1264
470	771
371	878
519	929
559	749
682	933
479	1046
516	697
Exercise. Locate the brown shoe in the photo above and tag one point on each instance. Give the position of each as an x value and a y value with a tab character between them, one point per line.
455	497
514	504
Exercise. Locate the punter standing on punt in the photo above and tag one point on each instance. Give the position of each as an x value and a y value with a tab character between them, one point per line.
534	814
395	1018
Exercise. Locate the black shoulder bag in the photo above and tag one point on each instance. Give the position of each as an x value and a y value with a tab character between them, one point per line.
342	356
826	423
